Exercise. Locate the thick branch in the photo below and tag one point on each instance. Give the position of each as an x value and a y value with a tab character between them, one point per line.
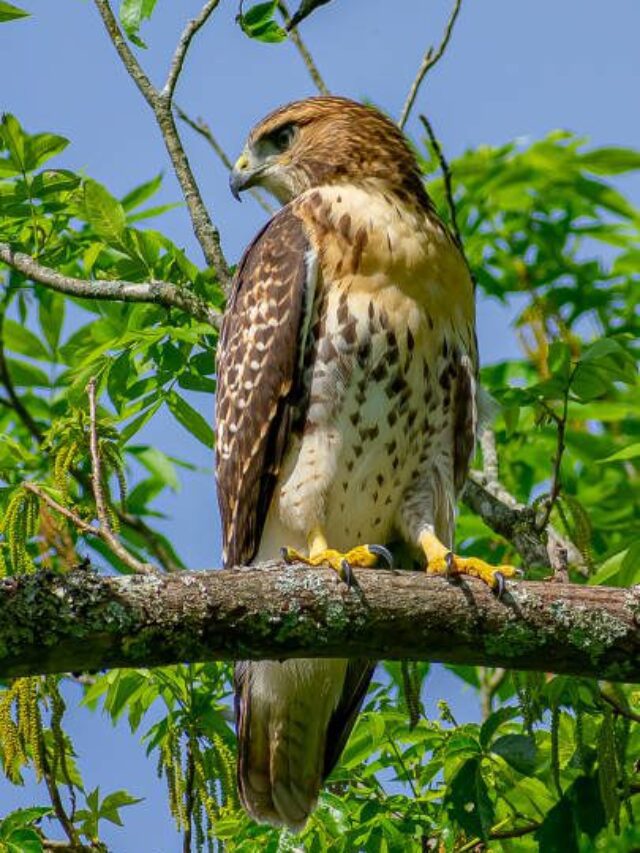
155	292
81	621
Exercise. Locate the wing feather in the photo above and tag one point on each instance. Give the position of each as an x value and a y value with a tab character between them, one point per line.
258	378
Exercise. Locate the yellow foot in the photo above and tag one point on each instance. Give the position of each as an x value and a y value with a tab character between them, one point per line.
441	561
362	556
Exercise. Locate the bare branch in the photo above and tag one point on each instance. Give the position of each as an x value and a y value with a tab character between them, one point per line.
80	621
431	57
200	126
205	231
154	292
308	60
183	46
561	424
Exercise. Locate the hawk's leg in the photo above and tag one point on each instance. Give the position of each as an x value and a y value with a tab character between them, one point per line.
442	561
362	556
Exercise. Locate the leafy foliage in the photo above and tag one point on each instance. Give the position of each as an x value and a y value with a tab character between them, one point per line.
550	764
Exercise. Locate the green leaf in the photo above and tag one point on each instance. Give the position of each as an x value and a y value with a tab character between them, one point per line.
25	375
132	13
104	213
587	805
611	161
41	147
190	419
258	23
141	193
8	12
558	831
519	751
138	422
631	451
14	139
19	339
24	841
22	818
495	720
467	800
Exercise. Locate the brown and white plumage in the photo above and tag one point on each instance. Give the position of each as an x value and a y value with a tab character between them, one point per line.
346	402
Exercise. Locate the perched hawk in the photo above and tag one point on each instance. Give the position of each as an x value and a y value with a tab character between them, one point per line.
346	408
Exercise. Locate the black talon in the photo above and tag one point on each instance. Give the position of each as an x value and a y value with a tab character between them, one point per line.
381	551
449	561
284	553
347	573
498	578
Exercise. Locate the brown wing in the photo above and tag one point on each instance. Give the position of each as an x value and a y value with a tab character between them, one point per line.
258	361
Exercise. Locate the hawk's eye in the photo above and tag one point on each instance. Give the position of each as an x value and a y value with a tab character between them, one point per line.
282	138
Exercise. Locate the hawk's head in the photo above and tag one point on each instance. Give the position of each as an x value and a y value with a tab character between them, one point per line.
326	140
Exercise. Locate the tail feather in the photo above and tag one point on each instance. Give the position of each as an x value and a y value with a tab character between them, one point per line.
291	717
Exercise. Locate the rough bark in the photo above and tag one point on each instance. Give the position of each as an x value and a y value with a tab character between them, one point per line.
83	621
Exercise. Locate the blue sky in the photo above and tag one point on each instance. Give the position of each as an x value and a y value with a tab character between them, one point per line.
513	70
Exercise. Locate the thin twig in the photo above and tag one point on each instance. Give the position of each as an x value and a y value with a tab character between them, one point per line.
183	46
448	183
56	800
105	531
303	50
430	58
205	231
107	536
200	126
153	292
14	401
79	523
561	424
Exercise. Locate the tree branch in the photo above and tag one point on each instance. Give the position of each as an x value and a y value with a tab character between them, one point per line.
308	60
430	58
205	231
153	292
104	531
81	621
183	46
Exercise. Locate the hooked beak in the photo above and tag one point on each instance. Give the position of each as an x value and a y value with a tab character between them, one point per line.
240	176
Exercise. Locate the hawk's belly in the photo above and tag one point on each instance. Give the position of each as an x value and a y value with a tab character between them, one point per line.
379	409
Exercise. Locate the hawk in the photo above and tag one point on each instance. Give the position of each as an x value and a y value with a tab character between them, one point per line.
346	408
